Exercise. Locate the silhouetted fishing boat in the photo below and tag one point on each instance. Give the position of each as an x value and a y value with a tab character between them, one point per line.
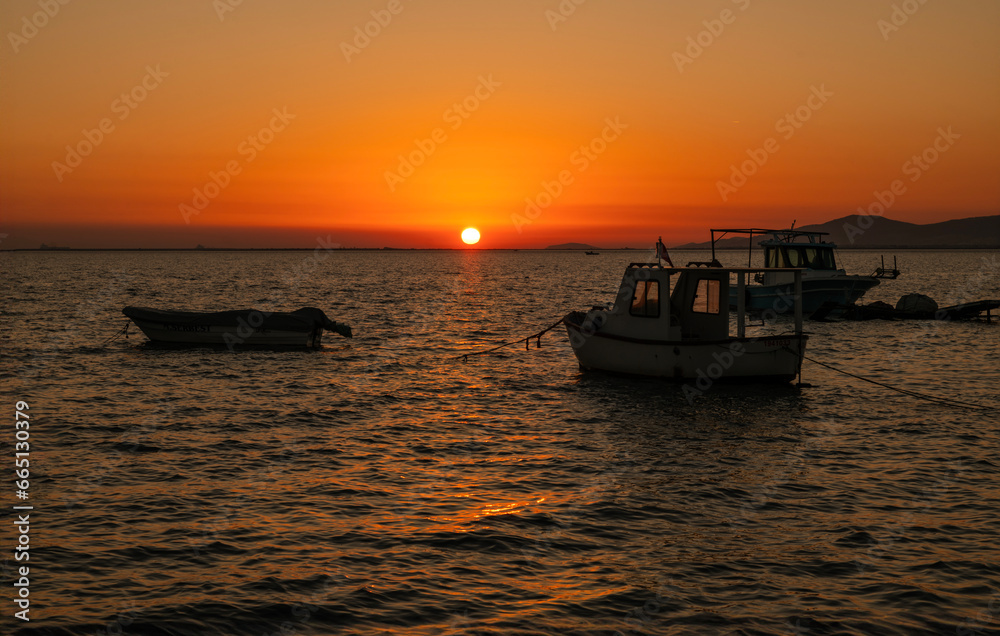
822	281
246	327
674	322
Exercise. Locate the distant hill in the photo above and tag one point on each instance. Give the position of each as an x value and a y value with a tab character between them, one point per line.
572	246
880	232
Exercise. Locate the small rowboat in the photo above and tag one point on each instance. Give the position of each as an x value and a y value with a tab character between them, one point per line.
244	327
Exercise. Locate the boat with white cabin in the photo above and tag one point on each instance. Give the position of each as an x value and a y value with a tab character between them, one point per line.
676	323
822	280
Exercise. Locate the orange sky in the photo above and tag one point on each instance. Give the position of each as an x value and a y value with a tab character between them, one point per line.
291	125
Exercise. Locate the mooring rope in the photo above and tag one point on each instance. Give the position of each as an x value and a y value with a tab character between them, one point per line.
123	330
916	394
923	396
526	341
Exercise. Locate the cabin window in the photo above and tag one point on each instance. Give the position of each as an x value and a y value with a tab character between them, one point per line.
815	258
706	297
824	260
779	257
646	301
811	260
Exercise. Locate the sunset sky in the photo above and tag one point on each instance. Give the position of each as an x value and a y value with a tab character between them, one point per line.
267	124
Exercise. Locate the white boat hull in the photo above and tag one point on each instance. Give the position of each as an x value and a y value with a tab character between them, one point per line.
775	358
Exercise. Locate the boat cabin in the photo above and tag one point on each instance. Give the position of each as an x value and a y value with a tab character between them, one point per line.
680	304
784	249
813	254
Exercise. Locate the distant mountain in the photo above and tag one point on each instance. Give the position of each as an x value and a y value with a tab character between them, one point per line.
880	232
572	246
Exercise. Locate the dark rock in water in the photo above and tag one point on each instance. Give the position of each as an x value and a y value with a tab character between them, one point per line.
871	311
916	303
909	307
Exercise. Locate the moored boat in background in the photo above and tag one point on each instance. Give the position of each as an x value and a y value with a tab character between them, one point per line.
822	280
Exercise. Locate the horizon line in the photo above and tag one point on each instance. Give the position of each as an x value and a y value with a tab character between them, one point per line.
465	249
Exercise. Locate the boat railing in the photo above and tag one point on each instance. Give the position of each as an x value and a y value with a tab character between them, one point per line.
883	272
646	265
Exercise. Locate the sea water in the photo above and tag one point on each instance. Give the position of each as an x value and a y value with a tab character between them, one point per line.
384	485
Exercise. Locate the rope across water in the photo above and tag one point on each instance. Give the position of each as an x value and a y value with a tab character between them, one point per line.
526	341
916	394
923	396
121	332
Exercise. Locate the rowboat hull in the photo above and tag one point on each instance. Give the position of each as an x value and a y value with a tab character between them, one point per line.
210	335
242	328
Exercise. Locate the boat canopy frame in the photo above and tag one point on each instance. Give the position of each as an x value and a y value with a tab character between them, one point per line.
787	236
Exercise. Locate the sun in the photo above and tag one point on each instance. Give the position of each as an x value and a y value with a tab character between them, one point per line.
470	236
